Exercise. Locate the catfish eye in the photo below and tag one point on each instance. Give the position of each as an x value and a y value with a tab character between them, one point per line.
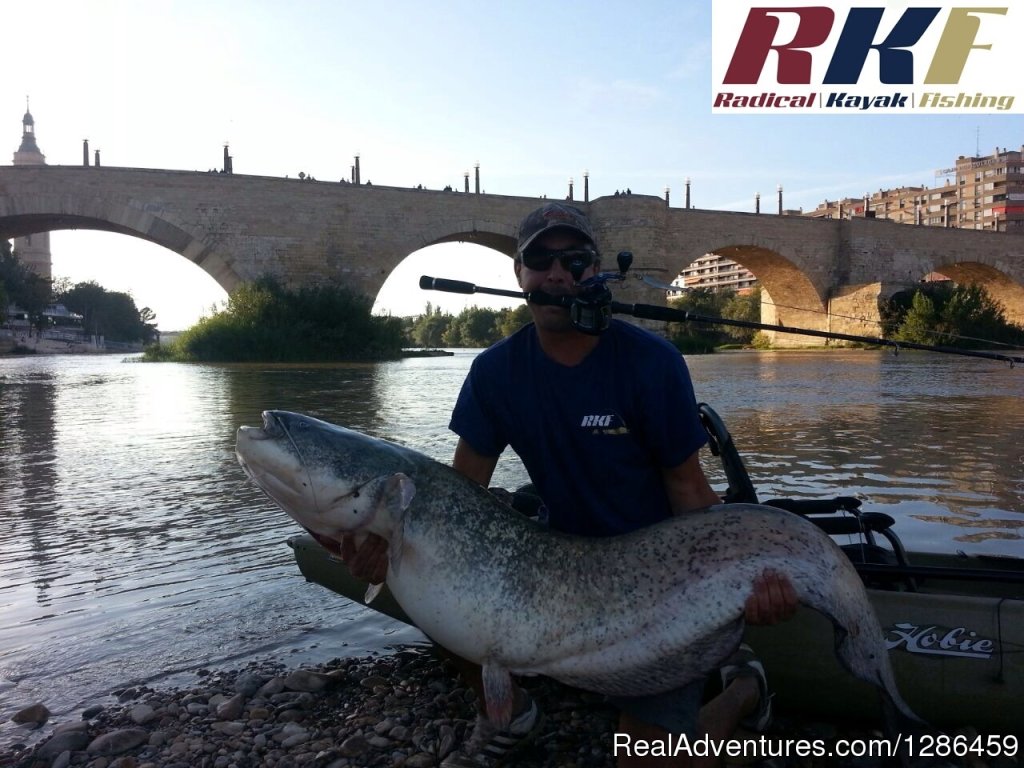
355	494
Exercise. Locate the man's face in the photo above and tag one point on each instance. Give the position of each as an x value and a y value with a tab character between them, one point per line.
556	280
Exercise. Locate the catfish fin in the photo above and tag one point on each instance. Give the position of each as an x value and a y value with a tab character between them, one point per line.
397	497
498	694
372	591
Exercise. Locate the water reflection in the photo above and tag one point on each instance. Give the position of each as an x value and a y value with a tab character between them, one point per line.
343	393
27	437
137	548
933	441
416	398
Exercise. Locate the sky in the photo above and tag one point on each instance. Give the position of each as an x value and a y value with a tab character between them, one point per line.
535	92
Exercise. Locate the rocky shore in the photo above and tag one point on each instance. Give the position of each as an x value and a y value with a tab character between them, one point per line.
405	710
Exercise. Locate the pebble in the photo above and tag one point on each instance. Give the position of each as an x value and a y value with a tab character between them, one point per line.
70	741
306	681
34	715
404	710
273	686
247	683
118	741
142	714
232	708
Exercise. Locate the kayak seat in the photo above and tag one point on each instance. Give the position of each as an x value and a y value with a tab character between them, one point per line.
740	489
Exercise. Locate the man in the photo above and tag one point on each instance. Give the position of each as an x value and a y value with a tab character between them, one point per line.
607	428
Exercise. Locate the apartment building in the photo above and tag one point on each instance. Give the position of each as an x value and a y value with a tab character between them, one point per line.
714	272
983	192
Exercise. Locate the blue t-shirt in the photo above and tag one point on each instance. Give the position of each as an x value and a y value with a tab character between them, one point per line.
594	437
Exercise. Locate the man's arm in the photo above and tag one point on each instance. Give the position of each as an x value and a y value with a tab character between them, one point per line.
773	598
687	487
473	465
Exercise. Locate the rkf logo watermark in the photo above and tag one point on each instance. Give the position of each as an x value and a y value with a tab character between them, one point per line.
856	58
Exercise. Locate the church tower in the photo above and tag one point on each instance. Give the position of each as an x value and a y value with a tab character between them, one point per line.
32	250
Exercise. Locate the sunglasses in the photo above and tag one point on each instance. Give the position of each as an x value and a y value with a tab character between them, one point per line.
541	259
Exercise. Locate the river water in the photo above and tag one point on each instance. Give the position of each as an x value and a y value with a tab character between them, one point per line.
132	549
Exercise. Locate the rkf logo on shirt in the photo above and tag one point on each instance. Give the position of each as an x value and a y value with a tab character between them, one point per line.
856	58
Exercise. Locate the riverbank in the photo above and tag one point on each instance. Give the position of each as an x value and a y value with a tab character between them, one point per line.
55	342
407	709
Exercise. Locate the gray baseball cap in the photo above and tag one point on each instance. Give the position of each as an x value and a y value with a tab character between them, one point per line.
553	216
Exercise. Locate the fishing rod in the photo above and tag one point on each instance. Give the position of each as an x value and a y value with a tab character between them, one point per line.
591	309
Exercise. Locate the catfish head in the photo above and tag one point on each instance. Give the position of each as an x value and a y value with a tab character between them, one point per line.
333	481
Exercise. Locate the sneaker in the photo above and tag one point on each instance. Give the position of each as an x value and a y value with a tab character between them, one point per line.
743	663
488	747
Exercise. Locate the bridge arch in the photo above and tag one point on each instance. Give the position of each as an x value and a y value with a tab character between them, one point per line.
497	235
788	296
389	258
454	259
29	215
1008	293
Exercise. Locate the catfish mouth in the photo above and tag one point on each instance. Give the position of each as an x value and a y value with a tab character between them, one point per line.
274	429
293	487
258	463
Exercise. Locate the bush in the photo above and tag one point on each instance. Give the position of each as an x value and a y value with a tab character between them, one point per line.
725	304
693	345
962	316
266	322
472	327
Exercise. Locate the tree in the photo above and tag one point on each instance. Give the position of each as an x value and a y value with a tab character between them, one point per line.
745	307
111	314
479	326
122	319
918	325
703	337
962	316
473	327
512	319
428	330
23	286
150	331
86	299
971	312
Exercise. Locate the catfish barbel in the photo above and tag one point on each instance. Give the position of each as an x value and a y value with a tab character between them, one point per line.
628	615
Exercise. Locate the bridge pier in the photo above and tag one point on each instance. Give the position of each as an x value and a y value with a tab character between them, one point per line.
782	314
852	309
856	309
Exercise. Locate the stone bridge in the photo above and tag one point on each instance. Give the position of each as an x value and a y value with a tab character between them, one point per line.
820	274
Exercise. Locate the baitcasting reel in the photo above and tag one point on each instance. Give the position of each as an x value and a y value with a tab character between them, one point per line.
591	308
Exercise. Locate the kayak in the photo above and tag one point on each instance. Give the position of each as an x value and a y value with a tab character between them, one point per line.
954	624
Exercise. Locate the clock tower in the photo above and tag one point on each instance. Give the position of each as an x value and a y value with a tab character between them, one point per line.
32	250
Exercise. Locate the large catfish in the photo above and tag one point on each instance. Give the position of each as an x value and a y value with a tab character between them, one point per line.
626	615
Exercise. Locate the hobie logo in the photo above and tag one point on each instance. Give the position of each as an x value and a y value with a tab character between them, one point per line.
935	641
865	57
